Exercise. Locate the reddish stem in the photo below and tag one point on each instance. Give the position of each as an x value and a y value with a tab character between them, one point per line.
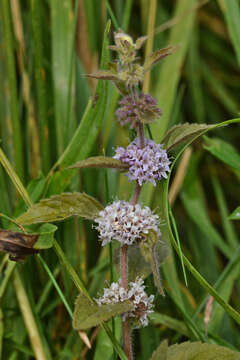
127	344
141	135
126	325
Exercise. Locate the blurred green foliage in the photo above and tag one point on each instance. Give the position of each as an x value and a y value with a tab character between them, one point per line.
47	124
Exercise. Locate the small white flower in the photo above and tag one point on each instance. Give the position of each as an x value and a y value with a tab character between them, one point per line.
126	223
143	304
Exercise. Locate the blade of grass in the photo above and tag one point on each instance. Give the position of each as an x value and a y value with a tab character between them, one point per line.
14	177
34	166
111	14
86	133
168	79
55	284
222	205
28	318
16	126
127	14
45	291
231	11
219	89
178	243
63	20
40	78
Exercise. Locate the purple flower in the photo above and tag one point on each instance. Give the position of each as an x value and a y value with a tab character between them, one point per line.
126	223
143	304
141	109
146	164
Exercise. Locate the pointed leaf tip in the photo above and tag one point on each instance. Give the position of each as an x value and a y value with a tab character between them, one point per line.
100	162
61	207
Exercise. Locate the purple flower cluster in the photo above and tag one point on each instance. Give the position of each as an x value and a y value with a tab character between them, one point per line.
143	108
146	164
126	223
143	304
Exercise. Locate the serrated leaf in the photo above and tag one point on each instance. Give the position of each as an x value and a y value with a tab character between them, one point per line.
161	352
223	151
100	162
156	56
235	214
88	314
200	351
180	134
61	207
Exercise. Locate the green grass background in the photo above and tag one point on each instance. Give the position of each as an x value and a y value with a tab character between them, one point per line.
46	124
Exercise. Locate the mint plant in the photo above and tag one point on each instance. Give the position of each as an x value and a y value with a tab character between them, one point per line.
138	229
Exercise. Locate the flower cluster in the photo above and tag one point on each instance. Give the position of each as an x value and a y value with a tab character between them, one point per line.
146	164
143	108
126	48
142	303
126	223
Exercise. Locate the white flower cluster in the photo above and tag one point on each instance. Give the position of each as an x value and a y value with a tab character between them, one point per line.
126	223
143	304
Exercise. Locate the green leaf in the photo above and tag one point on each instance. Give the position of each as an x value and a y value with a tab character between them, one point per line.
104	347
169	322
161	352
223	151
86	133
87	314
63	22
46	236
61	207
170	72
200	351
193	199
156	56
179	135
100	162
103	75
235	215
231	10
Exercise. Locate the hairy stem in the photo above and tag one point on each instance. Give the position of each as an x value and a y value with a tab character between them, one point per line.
141	135
127	344
126	325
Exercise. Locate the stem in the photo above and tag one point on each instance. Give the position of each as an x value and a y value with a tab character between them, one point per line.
126	326
141	135
127	344
136	194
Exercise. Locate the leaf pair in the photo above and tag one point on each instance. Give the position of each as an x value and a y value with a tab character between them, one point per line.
116	75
